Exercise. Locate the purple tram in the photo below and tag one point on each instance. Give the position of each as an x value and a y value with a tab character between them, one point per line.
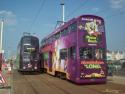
28	54
77	50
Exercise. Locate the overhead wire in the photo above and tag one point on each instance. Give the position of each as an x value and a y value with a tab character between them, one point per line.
103	11
37	14
76	9
112	15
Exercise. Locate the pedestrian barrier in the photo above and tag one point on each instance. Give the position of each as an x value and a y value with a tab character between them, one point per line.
2	80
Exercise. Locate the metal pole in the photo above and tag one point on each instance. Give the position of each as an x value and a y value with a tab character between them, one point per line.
1	40
63	11
1	37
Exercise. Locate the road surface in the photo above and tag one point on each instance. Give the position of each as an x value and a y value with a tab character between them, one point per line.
47	84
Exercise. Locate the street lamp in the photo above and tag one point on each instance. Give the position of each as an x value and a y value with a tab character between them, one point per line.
1	44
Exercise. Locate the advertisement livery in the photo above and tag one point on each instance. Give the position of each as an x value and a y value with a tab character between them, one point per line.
28	54
77	50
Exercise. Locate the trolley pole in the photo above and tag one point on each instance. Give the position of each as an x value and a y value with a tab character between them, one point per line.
63	11
1	44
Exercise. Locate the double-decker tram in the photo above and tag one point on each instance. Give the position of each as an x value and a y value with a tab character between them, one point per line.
28	54
77	50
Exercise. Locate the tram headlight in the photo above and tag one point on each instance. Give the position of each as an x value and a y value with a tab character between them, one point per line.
35	67
24	67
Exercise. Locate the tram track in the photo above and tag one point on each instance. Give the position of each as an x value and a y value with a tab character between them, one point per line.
47	84
52	85
35	91
108	88
22	85
44	82
72	84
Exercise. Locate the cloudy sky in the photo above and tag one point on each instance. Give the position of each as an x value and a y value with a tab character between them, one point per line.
39	17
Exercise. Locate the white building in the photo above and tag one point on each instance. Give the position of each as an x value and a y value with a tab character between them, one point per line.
115	55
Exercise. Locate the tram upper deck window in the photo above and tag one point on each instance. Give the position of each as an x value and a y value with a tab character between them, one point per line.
34	42
64	32
57	35
73	27
26	40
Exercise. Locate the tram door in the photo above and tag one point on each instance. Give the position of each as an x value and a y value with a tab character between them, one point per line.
72	62
50	61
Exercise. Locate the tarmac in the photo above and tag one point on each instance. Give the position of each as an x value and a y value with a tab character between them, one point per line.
117	79
8	88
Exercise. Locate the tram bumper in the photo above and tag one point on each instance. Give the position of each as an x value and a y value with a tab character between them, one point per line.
91	80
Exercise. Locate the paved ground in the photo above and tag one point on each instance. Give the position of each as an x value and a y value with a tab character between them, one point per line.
46	84
117	79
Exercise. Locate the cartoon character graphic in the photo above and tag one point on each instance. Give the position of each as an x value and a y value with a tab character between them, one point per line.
92	28
55	56
58	63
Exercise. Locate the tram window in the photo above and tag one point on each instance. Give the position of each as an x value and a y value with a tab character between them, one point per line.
45	55
49	40
57	35
26	40
63	53
86	53
35	42
92	53
64	32
72	52
25	48
99	53
53	38
73	27
42	42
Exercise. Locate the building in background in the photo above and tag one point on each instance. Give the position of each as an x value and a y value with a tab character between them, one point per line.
115	55
116	62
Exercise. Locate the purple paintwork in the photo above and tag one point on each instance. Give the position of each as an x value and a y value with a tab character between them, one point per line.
80	38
